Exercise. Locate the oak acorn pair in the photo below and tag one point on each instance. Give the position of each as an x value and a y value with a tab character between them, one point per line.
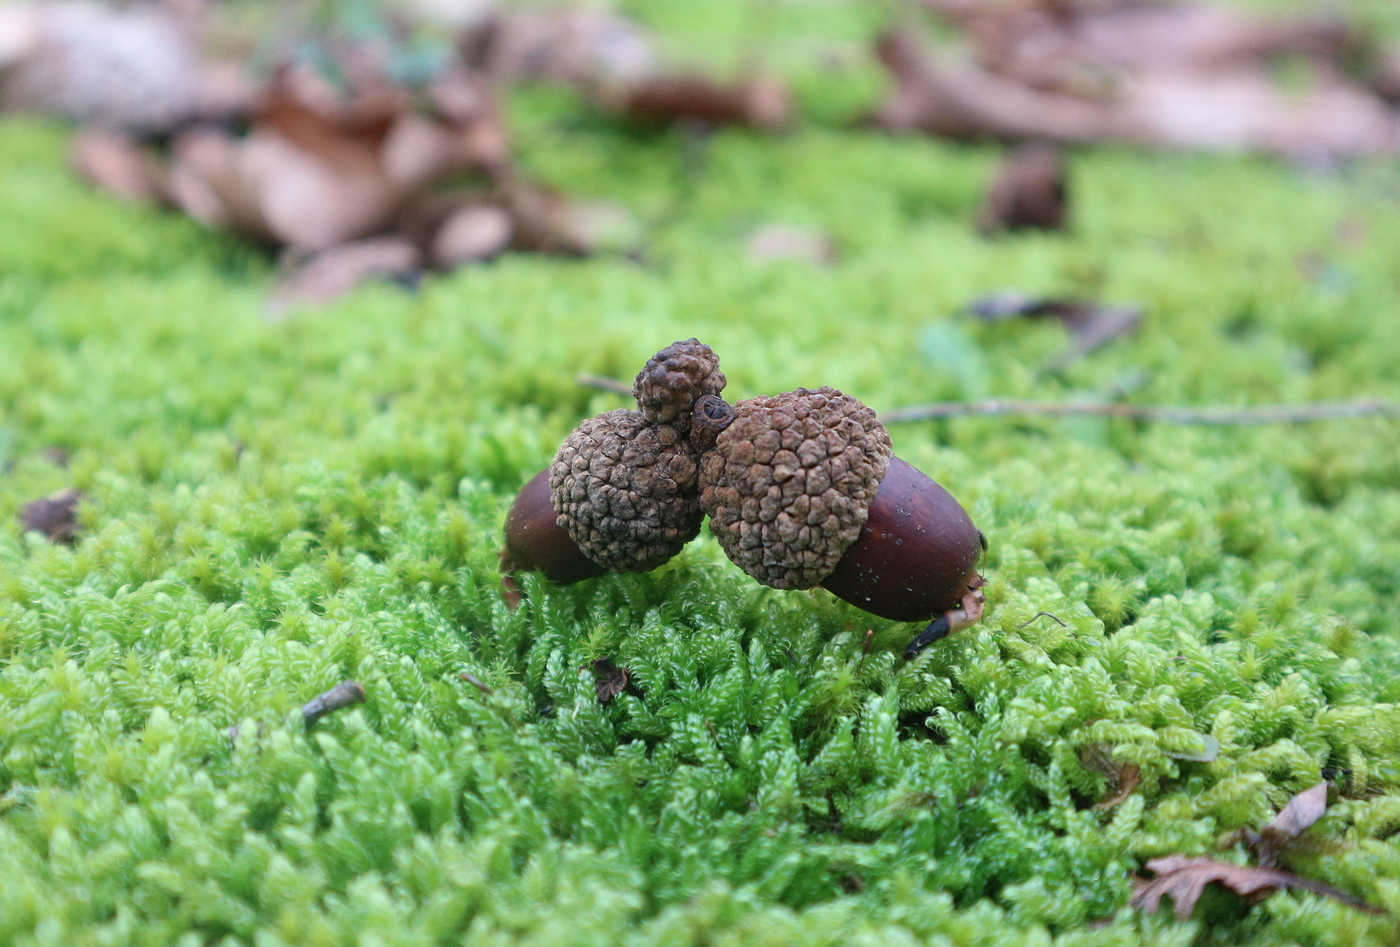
802	489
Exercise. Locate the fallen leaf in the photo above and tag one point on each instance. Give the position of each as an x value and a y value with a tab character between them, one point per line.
470	234
784	242
1090	325
1302	811
1122	778
114	162
334	272
1028	193
572	44
132	69
611	680
56	516
761	103
1185	879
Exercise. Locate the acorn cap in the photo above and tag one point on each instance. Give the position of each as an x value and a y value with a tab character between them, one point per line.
674	379
625	490
789	483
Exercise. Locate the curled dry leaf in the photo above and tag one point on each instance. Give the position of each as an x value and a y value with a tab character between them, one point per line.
1091	325
784	242
570	44
134	69
1302	811
610	680
761	103
1029	191
56	516
114	162
334	272
1033	86
472	233
1123	778
1184	880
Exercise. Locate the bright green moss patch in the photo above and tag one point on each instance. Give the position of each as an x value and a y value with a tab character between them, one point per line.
276	506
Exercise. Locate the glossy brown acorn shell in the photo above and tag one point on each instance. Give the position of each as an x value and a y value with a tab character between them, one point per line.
535	542
915	555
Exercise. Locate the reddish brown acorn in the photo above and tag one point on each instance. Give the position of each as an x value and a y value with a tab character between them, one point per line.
621	494
803	489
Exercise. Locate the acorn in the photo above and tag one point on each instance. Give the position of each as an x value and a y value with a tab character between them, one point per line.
803	489
622	494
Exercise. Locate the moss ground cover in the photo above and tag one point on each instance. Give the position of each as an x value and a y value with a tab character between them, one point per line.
276	506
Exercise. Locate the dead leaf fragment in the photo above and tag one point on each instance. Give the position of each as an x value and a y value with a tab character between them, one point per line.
569	44
1091	325
1302	811
1123	778
1185	879
56	515
471	234
334	272
760	103
1029	191
611	680
785	242
114	162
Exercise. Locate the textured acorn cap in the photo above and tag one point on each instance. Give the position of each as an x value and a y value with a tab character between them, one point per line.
674	379
625	490
789	482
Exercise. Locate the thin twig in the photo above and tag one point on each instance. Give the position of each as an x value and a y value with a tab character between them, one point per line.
1168	414
1295	413
476	682
341	695
604	383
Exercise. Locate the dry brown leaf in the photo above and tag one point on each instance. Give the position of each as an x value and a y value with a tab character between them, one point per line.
785	242
334	272
761	102
114	162
56	516
1231	107
611	680
1028	193
1185	879
571	44
1302	811
470	234
134	69
1090	324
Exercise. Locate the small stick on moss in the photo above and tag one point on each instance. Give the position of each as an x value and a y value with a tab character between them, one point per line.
344	694
1042	615
604	383
1298	413
476	682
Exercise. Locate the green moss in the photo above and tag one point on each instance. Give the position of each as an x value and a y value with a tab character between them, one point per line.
276	506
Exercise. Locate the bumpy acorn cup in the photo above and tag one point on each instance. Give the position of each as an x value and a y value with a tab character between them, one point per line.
621	494
803	489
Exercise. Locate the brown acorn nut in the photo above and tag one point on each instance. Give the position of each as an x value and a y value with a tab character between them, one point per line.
803	489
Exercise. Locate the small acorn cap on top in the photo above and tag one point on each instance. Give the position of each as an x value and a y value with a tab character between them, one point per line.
675	378
625	491
789	483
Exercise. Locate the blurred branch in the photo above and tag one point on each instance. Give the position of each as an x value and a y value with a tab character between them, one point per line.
1298	413
1166	414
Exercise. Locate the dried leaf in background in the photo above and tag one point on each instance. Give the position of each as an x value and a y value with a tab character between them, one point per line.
114	162
786	242
334	272
1185	879
760	102
1028	193
1302	811
1091	325
56	515
611	680
575	45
